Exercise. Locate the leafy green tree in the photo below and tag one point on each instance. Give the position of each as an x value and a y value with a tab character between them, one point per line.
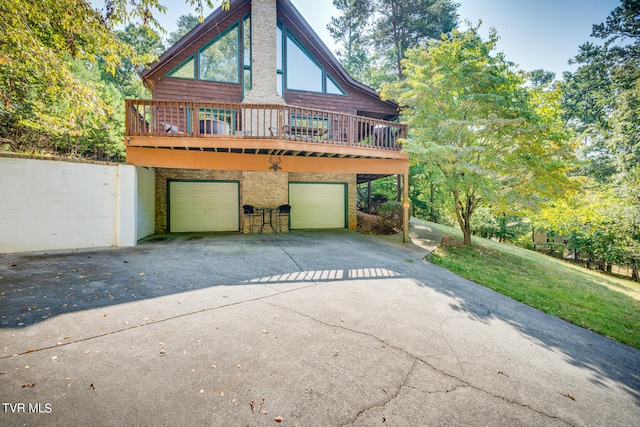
374	34
148	44
402	24
495	141
350	31
541	78
185	23
41	98
427	192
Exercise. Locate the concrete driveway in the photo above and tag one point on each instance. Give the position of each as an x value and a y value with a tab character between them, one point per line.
304	329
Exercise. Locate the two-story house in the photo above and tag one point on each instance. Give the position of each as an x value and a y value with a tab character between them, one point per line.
251	108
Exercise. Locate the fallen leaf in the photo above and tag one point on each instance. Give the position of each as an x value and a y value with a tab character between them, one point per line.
31	350
278	419
28	385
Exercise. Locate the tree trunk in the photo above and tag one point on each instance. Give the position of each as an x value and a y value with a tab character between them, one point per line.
464	212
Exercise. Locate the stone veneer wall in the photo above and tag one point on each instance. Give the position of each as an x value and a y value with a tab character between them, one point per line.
260	189
264	18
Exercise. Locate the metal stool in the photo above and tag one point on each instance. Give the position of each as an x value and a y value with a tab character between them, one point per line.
249	211
283	210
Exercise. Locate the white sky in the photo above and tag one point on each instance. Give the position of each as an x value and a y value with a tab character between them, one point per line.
533	33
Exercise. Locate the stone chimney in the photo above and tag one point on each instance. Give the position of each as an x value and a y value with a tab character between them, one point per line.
264	18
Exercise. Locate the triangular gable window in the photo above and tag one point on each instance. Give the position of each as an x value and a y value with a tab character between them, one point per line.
333	87
186	70
219	59
303	72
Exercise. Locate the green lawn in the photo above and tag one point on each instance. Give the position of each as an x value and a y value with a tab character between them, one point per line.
603	304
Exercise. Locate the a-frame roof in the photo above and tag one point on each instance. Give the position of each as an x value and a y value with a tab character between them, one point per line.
218	17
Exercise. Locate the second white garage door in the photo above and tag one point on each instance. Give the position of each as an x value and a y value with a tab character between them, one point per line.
203	206
317	205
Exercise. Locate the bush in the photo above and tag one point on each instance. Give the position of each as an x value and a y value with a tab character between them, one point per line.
390	213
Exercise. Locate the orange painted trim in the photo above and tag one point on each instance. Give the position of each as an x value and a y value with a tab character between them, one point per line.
191	159
261	143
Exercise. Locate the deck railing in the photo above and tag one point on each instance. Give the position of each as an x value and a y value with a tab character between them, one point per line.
259	121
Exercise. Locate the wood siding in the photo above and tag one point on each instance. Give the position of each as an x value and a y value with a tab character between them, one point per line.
356	102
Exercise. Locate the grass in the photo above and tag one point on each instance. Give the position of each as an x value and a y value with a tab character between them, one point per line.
603	304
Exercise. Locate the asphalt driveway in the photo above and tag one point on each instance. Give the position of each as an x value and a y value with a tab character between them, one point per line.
305	329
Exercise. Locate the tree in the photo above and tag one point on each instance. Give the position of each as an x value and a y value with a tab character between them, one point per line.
541	78
185	23
148	44
495	141
402	24
39	92
374	34
349	30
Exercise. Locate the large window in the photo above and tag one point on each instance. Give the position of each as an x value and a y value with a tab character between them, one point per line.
303	72
219	60
186	70
333	87
246	55
279	60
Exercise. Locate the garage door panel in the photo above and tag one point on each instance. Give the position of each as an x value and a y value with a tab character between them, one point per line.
317	205
204	206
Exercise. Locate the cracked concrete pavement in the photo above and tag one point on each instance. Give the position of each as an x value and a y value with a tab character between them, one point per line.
305	329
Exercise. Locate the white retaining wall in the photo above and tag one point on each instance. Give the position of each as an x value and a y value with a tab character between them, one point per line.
48	205
146	201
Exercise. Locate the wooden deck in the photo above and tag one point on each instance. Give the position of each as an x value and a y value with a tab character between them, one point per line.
260	129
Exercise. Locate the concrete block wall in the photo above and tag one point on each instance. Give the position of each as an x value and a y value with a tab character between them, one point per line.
50	204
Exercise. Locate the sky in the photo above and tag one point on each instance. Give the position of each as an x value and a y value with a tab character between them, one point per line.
533	33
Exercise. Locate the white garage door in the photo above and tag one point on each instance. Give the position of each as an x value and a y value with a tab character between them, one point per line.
317	205
203	206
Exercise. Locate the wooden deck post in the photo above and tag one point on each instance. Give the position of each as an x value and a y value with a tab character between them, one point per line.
405	209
